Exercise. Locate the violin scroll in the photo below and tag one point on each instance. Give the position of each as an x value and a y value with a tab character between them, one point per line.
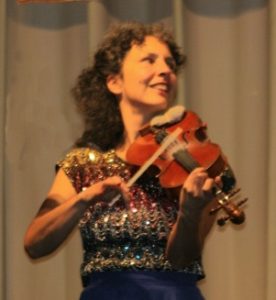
226	202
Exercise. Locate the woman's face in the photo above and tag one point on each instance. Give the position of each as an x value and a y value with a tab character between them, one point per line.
147	79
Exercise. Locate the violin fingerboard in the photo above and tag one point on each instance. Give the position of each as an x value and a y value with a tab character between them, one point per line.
184	158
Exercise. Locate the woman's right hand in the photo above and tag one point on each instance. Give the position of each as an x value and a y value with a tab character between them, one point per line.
105	190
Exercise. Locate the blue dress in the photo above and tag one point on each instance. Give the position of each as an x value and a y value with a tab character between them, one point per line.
142	285
124	244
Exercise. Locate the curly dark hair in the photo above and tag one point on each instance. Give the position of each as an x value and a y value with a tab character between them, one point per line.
99	107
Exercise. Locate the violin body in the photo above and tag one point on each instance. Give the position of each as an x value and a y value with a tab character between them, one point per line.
191	148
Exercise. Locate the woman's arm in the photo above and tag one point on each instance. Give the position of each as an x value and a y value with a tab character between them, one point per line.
61	212
193	222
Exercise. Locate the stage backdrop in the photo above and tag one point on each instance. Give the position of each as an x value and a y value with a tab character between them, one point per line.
229	80
47	1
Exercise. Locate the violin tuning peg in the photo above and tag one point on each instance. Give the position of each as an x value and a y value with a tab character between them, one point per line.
242	202
215	210
233	192
222	221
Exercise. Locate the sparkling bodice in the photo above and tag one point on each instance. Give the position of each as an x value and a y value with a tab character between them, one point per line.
124	236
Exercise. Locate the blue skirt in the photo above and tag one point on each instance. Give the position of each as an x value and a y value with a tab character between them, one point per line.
142	285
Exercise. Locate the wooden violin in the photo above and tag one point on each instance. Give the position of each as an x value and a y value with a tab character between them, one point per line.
177	144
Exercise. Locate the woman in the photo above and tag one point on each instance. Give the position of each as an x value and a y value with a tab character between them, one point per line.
148	244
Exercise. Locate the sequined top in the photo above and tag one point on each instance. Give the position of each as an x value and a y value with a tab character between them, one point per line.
124	236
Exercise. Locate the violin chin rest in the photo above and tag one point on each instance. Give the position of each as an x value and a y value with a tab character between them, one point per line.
172	115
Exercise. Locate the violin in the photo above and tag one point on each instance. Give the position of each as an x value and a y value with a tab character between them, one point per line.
177	143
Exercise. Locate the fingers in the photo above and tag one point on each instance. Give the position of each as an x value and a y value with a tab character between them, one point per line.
218	181
106	190
114	187
114	182
198	183
208	184
197	192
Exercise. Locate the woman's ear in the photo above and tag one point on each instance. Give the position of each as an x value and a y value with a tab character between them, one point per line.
114	84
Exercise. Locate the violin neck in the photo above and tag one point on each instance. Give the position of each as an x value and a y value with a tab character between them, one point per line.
184	158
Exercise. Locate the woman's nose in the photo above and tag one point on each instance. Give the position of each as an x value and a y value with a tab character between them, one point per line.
164	68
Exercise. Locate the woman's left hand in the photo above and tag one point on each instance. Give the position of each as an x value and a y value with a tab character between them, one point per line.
197	192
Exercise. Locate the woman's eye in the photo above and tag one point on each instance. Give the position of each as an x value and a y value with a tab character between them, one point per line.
149	59
171	63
